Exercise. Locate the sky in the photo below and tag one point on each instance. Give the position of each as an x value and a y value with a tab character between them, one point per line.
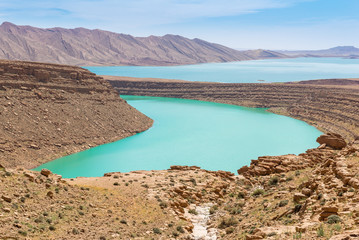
240	24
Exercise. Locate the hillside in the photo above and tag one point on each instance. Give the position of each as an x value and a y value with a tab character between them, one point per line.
330	105
48	111
82	46
340	51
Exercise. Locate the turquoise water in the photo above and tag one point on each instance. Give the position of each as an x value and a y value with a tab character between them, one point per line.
272	70
188	132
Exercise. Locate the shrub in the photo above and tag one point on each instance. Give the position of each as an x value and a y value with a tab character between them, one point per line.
258	192
180	229
52	228
241	195
290	178
163	205
23	233
193	211
228	222
116	183
213	209
229	230
283	203
156	231
320	231
297	208
333	219
273	180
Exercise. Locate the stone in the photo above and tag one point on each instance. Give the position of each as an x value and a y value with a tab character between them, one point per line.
45	172
298	196
242	170
332	140
50	194
6	210
30	176
307	192
6	198
330	209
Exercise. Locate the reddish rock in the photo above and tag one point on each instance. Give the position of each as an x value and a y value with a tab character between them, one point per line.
332	140
298	196
243	170
6	198
45	172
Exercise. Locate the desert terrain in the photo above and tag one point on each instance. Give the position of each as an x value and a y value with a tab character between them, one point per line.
50	110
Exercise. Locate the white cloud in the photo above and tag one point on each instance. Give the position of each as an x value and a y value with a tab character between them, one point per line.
145	12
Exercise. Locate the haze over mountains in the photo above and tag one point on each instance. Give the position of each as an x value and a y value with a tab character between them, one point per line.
82	46
340	51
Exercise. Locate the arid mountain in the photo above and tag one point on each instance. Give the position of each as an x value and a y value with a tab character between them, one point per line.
341	51
82	46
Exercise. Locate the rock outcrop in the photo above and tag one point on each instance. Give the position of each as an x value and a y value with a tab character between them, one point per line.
48	111
332	140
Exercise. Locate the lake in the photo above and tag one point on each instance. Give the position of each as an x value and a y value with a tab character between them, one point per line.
271	70
213	136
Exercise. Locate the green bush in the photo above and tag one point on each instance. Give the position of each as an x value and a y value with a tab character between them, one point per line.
258	192
333	219
193	211
156	230
273	180
228	222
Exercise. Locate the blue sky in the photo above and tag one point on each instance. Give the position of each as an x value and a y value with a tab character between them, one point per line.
242	24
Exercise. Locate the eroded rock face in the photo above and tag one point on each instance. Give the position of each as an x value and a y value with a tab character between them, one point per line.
48	111
332	140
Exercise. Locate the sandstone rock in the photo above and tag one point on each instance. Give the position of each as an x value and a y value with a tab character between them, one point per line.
243	170
300	229
184	168
331	209
6	210
6	198
307	192
332	140
45	172
50	194
298	196
30	176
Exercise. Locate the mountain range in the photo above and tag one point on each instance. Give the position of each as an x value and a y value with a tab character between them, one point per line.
340	51
82	46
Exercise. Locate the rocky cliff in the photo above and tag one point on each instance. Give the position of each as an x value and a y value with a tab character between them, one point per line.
48	111
82	46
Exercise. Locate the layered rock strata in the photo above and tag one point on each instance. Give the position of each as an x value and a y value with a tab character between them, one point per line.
330	108
48	111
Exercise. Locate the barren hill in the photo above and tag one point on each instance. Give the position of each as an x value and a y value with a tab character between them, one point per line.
340	51
82	46
48	111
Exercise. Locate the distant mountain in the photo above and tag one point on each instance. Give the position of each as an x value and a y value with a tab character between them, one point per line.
82	46
341	51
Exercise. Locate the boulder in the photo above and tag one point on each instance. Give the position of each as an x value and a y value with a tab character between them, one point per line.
332	140
242	170
298	196
45	172
6	198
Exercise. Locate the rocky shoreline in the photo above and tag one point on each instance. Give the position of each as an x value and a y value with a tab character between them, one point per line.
329	105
